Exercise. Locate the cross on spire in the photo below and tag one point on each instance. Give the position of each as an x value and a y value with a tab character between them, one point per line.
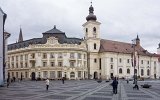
91	2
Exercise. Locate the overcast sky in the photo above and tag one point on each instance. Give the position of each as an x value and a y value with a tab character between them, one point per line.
121	20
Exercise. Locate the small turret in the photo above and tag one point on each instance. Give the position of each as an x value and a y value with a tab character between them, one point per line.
20	39
137	41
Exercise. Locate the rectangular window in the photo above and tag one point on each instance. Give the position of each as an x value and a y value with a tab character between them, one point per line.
12	58
84	56
95	60
8	65
21	57
12	65
16	65
32	56
26	57
59	74
17	74
79	56
128	61
100	63
60	64
154	63
16	58
21	65
44	55
72	55
44	64
59	55
26	64
111	66
120	60
52	64
52	74
33	64
45	74
8	59
141	61
72	63
85	64
111	59
12	74
52	55
79	74
147	62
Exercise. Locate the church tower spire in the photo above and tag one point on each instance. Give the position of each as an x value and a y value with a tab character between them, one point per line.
137	41
20	39
91	15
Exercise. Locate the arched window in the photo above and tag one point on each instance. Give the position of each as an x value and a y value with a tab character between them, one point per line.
94	30
86	30
94	45
72	74
120	71
142	72
111	66
148	72
128	71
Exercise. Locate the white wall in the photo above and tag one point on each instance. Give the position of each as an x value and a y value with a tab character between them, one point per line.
1	48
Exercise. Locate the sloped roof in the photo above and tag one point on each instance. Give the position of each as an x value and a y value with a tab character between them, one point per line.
54	30
121	47
62	38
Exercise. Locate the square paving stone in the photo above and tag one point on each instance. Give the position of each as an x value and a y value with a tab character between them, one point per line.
60	97
80	90
105	90
103	94
96	98
22	95
139	96
70	92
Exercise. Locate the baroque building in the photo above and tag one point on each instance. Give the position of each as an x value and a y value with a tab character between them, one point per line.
56	56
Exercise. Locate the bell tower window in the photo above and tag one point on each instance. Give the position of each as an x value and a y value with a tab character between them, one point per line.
94	30
86	30
94	45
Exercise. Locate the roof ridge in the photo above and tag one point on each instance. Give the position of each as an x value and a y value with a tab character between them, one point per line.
115	41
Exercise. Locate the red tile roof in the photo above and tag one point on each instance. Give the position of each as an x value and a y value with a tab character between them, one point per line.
122	47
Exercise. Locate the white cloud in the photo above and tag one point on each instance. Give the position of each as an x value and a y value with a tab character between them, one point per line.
121	19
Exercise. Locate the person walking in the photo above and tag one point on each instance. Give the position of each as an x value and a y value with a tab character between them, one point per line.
63	80
115	85
47	84
8	82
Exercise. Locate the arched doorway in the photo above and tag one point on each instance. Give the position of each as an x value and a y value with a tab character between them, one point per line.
33	76
95	75
72	75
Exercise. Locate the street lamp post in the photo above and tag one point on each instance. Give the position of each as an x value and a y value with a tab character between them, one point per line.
134	63
133	46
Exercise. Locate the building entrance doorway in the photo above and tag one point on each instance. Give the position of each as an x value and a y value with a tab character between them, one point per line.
95	75
111	75
33	76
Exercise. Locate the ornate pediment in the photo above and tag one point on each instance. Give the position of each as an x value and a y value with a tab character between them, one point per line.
52	41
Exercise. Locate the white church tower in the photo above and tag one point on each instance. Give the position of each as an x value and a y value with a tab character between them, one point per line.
92	38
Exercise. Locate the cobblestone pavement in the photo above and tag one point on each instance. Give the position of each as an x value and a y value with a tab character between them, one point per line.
78	90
